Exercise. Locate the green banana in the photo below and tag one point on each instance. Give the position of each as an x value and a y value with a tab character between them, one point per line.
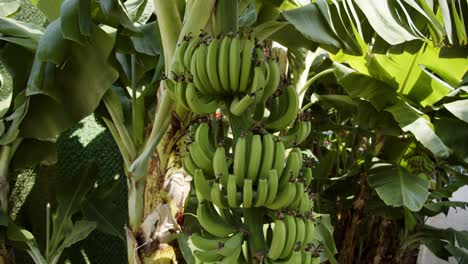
188	164
202	186
196	75
202	70
217	196
278	241
284	197
234	64
272	186
207	256
298	198
255	157
291	169
212	65
246	67
273	80
247	193
238	106
258	82
262	192
306	204
268	155
279	158
206	244
189	51
202	136
233	258
240	160
213	223
290	236
306	175
300	230
223	65
220	166
232	191
232	244
200	158
198	104
292	108
180	94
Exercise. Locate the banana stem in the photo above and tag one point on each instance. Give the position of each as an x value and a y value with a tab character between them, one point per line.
5	153
226	16
253	219
313	79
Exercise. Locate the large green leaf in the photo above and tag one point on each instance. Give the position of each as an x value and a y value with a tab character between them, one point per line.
412	120
384	20
32	152
407	71
454	133
397	187
309	22
76	89
75	19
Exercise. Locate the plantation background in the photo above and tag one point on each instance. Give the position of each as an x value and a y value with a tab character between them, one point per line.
85	142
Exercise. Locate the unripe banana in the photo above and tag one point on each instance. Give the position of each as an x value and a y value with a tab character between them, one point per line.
291	169
205	244
213	223
202	54
238	106
189	51
240	160
272	186
232	244
233	258
284	198
290	236
220	166
217	196
299	195
180	94
196	75
279	240
258	82
200	158
273	80
279	158
300	230
254	157
234	64
189	165
223	65
247	193
232	192
202	186
306	203
262	192
268	154
207	256
289	115
247	53
202	106
202	136
212	65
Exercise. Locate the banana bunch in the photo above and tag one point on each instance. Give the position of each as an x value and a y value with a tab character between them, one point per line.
283	110
290	240
233	69
298	132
